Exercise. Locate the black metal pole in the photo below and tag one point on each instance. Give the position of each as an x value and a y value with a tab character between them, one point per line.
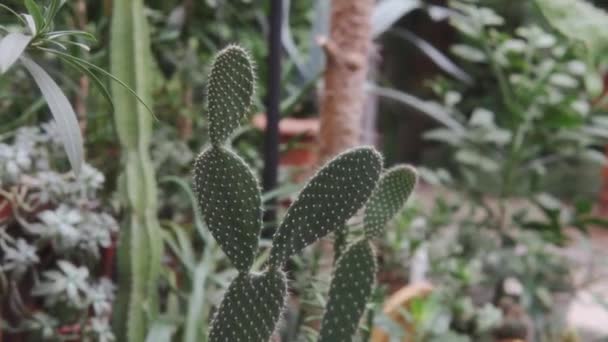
271	139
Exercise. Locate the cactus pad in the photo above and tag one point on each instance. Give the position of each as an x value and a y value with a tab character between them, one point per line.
390	195
230	202
230	92
250	309
349	292
333	196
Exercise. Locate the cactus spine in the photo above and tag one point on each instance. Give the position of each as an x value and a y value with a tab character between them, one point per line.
355	271
229	198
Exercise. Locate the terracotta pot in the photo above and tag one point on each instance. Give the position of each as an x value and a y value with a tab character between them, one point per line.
304	156
393	306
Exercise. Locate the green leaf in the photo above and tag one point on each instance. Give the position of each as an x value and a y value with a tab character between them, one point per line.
60	34
473	158
438	57
52	9
595	157
578	20
82	46
12	47
96	81
444	135
36	13
30	23
198	302
582	22
433	110
388	12
468	53
62	111
198	220
103	72
8	9
161	332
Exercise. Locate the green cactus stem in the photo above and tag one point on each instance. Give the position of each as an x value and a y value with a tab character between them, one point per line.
230	92
351	286
331	197
230	202
393	189
251	308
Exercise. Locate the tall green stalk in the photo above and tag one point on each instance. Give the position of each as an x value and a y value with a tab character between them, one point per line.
140	245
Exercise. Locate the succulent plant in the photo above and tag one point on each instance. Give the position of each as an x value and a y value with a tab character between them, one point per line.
140	246
393	189
350	289
355	270
229	199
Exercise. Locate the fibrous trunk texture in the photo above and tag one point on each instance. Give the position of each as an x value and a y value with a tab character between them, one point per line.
347	52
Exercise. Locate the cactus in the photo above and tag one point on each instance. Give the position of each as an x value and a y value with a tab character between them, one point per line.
229	198
140	245
333	196
355	270
230	92
394	188
350	289
230	202
251	307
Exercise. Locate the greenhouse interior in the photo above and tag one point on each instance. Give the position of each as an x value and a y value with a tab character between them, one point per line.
300	171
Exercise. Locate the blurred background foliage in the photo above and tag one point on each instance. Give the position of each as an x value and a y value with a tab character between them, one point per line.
496	106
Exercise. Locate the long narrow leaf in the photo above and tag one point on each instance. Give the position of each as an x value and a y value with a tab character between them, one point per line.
161	332
11	48
53	9
8	9
198	219
30	23
434	111
388	12
62	112
288	42
441	60
103	72
59	34
320	27
34	10
197	305
98	83
82	46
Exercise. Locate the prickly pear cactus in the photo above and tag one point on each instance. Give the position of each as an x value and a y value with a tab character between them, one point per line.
393	189
333	196
230	92
250	308
229	199
230	203
355	271
352	284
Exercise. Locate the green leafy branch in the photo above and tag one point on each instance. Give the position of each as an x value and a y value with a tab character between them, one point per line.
37	35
